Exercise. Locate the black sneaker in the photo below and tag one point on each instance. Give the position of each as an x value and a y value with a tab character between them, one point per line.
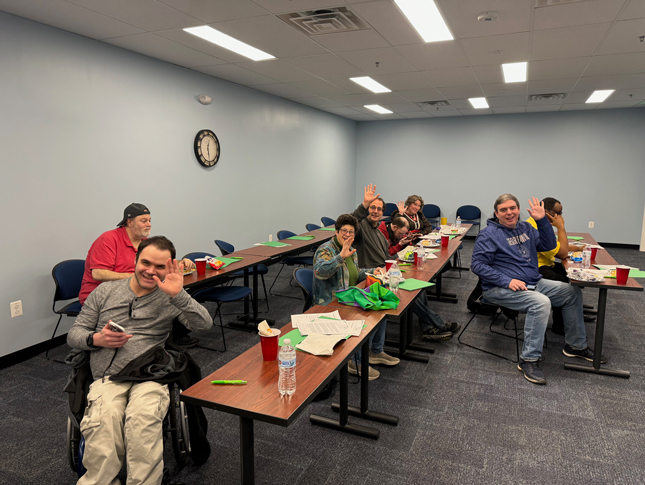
589	318
586	353
436	334
186	342
453	327
532	372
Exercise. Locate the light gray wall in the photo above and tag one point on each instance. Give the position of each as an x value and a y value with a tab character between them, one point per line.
593	161
86	128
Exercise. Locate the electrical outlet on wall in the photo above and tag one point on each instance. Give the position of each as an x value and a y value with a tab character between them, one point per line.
16	308
270	237
591	224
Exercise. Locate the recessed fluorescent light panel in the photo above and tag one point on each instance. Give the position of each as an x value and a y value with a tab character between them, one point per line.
426	19
600	96
515	72
228	42
369	83
478	103
377	108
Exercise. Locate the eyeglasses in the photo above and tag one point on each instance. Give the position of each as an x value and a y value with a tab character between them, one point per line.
376	208
346	232
557	213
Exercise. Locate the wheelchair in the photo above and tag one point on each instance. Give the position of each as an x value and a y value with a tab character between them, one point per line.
175	426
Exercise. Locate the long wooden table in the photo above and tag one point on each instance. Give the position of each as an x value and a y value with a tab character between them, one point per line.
259	398
602	257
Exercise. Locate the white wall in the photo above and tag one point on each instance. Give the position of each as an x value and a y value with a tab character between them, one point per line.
87	128
593	161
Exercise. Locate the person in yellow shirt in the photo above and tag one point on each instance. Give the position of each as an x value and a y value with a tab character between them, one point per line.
548	267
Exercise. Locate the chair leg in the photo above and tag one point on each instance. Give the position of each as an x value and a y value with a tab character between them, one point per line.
266	297
51	342
276	279
284	296
221	326
484	350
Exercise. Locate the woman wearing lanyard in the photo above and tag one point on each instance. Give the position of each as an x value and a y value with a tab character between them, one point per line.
411	211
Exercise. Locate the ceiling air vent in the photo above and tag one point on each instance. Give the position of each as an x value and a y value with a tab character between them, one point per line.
434	104
324	21
547	97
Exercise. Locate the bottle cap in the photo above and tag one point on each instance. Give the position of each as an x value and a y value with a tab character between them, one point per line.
287	341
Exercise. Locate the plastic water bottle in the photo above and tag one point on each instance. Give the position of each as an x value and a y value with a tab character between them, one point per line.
458	223
287	363
395	278
586	257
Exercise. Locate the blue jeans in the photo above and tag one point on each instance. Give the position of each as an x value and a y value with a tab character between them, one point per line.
537	306
377	341
427	318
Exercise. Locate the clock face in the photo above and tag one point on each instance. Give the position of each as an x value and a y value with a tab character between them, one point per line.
207	148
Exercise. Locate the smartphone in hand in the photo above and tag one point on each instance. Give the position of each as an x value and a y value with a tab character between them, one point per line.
115	327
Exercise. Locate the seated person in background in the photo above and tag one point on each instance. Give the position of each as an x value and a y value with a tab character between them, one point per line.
548	267
505	258
111	257
396	233
336	268
411	211
124	418
374	248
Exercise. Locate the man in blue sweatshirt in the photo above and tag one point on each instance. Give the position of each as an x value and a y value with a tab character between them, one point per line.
505	258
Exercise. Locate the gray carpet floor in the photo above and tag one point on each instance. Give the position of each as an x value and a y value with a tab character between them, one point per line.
465	417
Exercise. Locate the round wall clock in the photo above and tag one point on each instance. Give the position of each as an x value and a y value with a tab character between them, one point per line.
207	148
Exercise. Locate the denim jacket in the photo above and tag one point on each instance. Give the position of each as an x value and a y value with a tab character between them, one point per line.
331	273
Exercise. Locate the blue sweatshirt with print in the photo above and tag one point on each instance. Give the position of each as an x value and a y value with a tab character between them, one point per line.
502	254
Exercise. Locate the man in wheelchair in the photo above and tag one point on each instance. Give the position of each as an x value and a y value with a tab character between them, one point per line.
123	418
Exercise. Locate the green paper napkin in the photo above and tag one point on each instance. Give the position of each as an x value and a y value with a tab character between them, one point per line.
411	284
295	336
575	238
228	261
275	244
302	238
327	229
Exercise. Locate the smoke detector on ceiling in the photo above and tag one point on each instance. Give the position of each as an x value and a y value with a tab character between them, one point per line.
547	97
324	21
488	16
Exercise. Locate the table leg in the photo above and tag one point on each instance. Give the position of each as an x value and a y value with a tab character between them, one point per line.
246	450
242	322
440	295
402	352
600	329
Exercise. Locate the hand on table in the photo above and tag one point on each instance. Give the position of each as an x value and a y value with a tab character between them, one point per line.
536	209
517	285
174	281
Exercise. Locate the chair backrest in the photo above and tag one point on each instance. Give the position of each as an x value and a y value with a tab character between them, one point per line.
305	278
285	234
197	254
224	247
431	211
327	221
312	227
469	212
68	276
389	208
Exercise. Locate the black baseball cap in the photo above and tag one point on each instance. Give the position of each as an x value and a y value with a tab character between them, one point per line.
133	210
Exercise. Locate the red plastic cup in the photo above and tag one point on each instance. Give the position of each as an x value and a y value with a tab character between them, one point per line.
270	345
444	240
416	259
200	264
388	264
622	273
594	251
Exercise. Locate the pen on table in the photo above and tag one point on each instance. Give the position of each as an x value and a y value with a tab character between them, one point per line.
228	382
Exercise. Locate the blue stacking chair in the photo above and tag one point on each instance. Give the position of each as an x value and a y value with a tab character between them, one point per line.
305	278
432	213
327	221
219	295
312	227
388	210
290	260
226	249
470	215
68	276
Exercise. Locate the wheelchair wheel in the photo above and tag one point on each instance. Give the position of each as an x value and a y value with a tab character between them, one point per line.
178	427
73	440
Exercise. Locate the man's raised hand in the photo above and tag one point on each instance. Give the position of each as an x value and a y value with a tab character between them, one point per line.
174	281
536	209
369	196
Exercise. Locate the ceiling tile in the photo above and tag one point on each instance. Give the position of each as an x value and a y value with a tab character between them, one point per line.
567	42
149	15
504	89
637	81
615	64
416	95
160	48
557	68
279	70
388	20
618	104
384	116
572	14
461	16
349	41
326	65
577	107
505	101
194	42
460	76
473	91
317	102
351	86
509	109
283	90
286	6
577	97
434	55
389	60
384	98
545	86
602	82
404	81
475	112
342	111
627	95
635	9
491	74
541	109
457	104
513	47
319	88
446	114
402	108
210	11
236	74
351	100
624	37
361	117
67	16
416	115
272	35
